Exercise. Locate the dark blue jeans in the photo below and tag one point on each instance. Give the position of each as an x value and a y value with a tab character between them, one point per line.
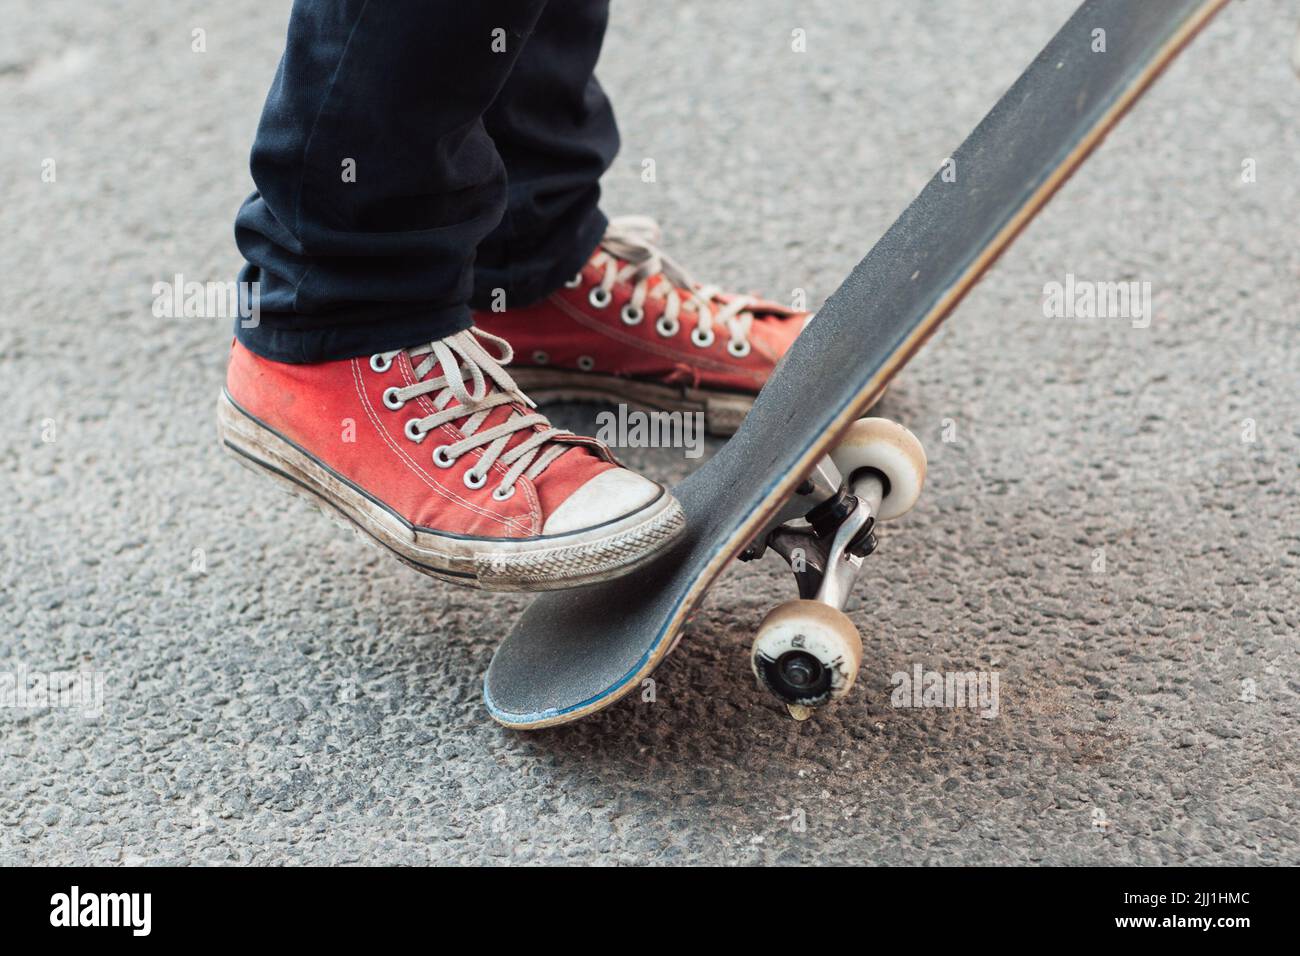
414	156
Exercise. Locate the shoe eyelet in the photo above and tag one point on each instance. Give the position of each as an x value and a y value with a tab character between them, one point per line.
667	327
701	341
380	364
586	363
441	458
738	349
574	282
540	357
599	297
391	401
413	431
498	496
631	314
474	481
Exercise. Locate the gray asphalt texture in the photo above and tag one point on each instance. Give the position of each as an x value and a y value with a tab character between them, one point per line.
1111	523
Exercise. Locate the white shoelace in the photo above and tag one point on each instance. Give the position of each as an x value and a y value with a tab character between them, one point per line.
635	241
492	387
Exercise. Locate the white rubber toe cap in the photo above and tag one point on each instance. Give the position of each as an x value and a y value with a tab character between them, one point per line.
611	495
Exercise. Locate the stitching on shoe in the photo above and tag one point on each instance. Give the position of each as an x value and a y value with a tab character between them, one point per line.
416	468
425	403
650	346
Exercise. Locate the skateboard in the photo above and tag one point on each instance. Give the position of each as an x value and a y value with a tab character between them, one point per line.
804	476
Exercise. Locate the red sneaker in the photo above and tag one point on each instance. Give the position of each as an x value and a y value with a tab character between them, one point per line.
435	453
633	327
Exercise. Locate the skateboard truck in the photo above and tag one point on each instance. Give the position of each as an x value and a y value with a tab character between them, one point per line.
826	562
807	651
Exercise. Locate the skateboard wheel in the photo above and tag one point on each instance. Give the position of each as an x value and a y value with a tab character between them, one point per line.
806	653
892	450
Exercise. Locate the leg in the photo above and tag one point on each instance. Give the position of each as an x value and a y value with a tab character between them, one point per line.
364	388
554	127
635	327
352	264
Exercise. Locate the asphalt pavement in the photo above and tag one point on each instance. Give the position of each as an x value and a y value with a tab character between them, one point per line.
1111	523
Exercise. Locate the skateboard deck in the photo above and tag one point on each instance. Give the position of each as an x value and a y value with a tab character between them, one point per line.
573	653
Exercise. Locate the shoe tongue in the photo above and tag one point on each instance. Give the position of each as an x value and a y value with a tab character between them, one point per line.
658	285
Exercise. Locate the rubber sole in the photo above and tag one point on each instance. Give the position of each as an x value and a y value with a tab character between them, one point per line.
723	411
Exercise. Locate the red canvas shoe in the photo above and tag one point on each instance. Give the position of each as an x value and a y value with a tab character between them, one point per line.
633	327
436	454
